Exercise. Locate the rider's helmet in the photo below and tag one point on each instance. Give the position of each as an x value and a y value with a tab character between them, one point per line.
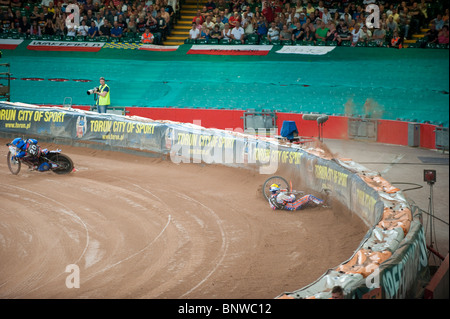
19	143
274	188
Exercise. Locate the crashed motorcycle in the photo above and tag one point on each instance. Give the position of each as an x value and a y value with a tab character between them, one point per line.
286	188
45	160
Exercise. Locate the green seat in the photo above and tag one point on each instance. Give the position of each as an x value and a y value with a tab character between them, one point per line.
286	42
102	39
236	42
361	44
224	41
331	43
189	41
252	37
276	42
321	43
213	41
201	41
346	43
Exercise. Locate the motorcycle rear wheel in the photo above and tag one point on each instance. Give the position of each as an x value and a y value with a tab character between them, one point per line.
65	164
14	165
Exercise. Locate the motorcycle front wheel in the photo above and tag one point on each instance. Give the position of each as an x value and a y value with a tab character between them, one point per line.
14	165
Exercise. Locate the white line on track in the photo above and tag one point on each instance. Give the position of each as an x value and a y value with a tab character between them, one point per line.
68	212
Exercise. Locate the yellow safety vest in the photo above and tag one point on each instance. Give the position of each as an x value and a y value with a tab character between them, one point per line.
104	100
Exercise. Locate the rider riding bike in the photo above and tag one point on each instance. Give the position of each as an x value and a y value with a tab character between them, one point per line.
30	151
282	200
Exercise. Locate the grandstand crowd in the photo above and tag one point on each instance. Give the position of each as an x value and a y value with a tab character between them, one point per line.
231	21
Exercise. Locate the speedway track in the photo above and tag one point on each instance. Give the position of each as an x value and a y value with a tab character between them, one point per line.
140	227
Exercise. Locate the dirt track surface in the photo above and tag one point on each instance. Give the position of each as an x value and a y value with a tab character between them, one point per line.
140	227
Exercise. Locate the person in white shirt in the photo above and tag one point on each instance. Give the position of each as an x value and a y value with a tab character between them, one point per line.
194	33
83	29
356	34
237	33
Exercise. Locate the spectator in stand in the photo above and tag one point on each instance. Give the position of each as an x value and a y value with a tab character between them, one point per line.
83	29
273	33
365	35
34	15
226	32
209	22
50	27
309	9
216	33
285	34
121	22
116	31
105	29
205	32
194	33
267	11
343	33
391	25
198	16
162	25
93	30
132	25
321	32
297	33
35	29
326	16
379	35
198	24
210	5
234	20
263	27
42	20
60	27
24	26
431	36
438	22
356	35
332	34
249	27
423	6
237	33
308	34
405	23
443	35
417	18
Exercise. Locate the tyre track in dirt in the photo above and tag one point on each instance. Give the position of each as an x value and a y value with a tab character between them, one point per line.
141	227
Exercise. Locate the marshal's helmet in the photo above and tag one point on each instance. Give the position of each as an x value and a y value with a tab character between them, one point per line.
274	188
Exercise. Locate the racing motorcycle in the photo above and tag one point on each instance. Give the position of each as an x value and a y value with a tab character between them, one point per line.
286	187
53	161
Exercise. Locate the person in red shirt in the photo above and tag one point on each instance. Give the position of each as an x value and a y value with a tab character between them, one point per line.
267	11
234	20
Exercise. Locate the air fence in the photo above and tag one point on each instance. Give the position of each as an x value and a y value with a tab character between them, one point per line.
391	260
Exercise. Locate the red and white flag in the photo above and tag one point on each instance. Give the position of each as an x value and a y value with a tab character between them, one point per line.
237	49
154	47
39	45
9	44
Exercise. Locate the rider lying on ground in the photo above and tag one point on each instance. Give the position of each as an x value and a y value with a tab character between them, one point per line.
282	200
